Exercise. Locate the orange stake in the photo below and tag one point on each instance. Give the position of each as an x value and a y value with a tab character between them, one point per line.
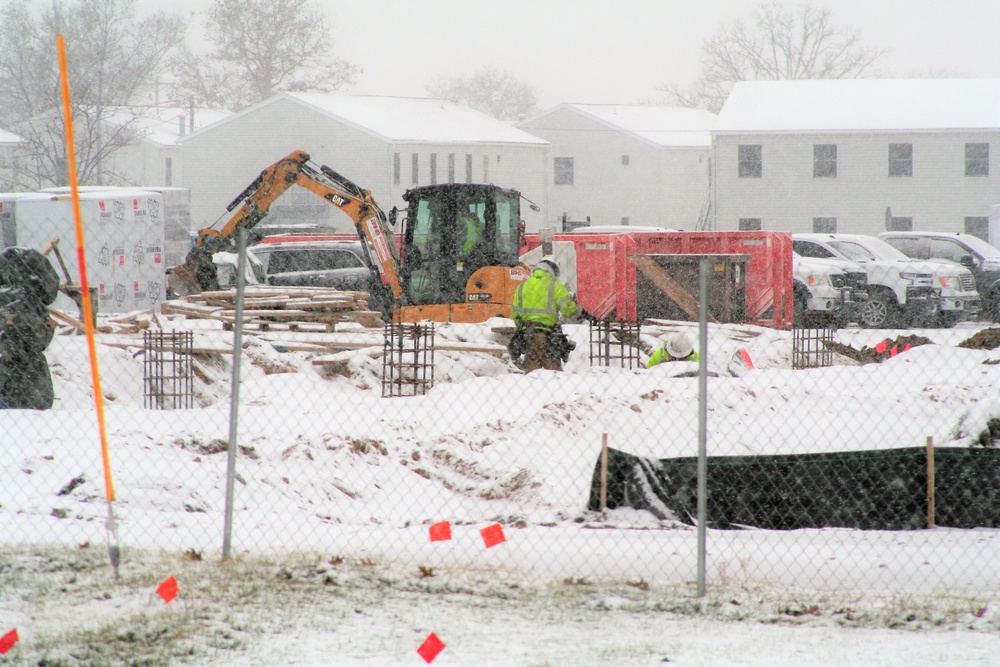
109	488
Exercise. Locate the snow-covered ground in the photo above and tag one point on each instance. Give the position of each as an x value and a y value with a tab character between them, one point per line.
328	466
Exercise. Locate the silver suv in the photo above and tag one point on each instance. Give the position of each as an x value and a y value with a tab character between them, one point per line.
902	291
975	254
342	265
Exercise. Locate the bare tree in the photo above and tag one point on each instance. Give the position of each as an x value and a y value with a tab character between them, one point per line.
112	56
261	47
779	45
495	93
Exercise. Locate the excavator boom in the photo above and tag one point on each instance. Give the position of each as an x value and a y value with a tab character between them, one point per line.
198	272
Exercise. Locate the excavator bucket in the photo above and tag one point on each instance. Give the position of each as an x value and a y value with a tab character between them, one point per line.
182	280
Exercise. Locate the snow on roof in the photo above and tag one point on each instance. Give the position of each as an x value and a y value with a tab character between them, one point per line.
661	126
9	137
412	118
162	125
862	105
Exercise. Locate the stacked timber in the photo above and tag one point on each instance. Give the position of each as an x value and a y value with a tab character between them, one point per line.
289	308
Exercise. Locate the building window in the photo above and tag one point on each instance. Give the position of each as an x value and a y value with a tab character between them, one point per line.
468	167
825	225
415	169
751	164
824	160
900	159
434	168
750	224
625	220
625	160
977	159
395	168
898	224
451	167
168	171
563	171
978	226
486	169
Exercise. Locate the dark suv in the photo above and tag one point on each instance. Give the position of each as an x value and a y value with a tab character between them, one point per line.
342	265
975	254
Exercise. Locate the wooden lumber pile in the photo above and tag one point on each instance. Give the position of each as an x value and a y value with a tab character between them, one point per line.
290	308
124	323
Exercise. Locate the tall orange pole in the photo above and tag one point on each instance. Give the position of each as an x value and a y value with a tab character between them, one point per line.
114	550
88	311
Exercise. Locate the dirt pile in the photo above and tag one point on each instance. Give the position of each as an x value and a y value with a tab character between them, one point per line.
882	350
987	339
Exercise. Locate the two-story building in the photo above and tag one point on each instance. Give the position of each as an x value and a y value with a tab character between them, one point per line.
858	156
613	164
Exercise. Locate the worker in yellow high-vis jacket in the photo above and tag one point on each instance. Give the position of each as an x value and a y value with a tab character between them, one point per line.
539	302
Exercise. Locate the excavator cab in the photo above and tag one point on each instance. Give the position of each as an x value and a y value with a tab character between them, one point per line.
460	246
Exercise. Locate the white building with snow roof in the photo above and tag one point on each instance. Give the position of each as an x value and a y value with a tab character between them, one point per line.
626	164
383	144
858	155
152	155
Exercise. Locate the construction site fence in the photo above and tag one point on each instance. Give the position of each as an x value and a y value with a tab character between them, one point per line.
536	475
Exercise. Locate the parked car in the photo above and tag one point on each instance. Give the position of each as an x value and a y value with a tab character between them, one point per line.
975	254
834	288
902	292
342	265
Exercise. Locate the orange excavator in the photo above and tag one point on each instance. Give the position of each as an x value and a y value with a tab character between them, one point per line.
457	259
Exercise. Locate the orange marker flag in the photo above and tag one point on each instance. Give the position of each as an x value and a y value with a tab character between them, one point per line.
440	531
7	641
168	589
431	648
894	351
746	357
493	535
880	347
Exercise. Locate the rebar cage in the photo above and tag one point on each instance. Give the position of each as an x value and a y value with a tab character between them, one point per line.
811	343
408	359
168	376
615	344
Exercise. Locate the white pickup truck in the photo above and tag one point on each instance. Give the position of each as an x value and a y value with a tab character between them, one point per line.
832	290
902	292
975	254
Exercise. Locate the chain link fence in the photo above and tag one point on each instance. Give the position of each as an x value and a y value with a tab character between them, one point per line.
876	472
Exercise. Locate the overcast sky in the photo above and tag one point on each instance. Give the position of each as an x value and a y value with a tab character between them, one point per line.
617	51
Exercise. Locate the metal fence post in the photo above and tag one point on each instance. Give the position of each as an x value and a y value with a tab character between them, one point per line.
702	418
234	393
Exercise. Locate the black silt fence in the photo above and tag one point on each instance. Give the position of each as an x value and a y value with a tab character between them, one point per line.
875	490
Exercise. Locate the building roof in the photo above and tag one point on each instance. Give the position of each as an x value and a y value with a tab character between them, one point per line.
656	125
407	119
166	125
9	137
846	105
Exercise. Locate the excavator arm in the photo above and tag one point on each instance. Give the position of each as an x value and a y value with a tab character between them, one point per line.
198	272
